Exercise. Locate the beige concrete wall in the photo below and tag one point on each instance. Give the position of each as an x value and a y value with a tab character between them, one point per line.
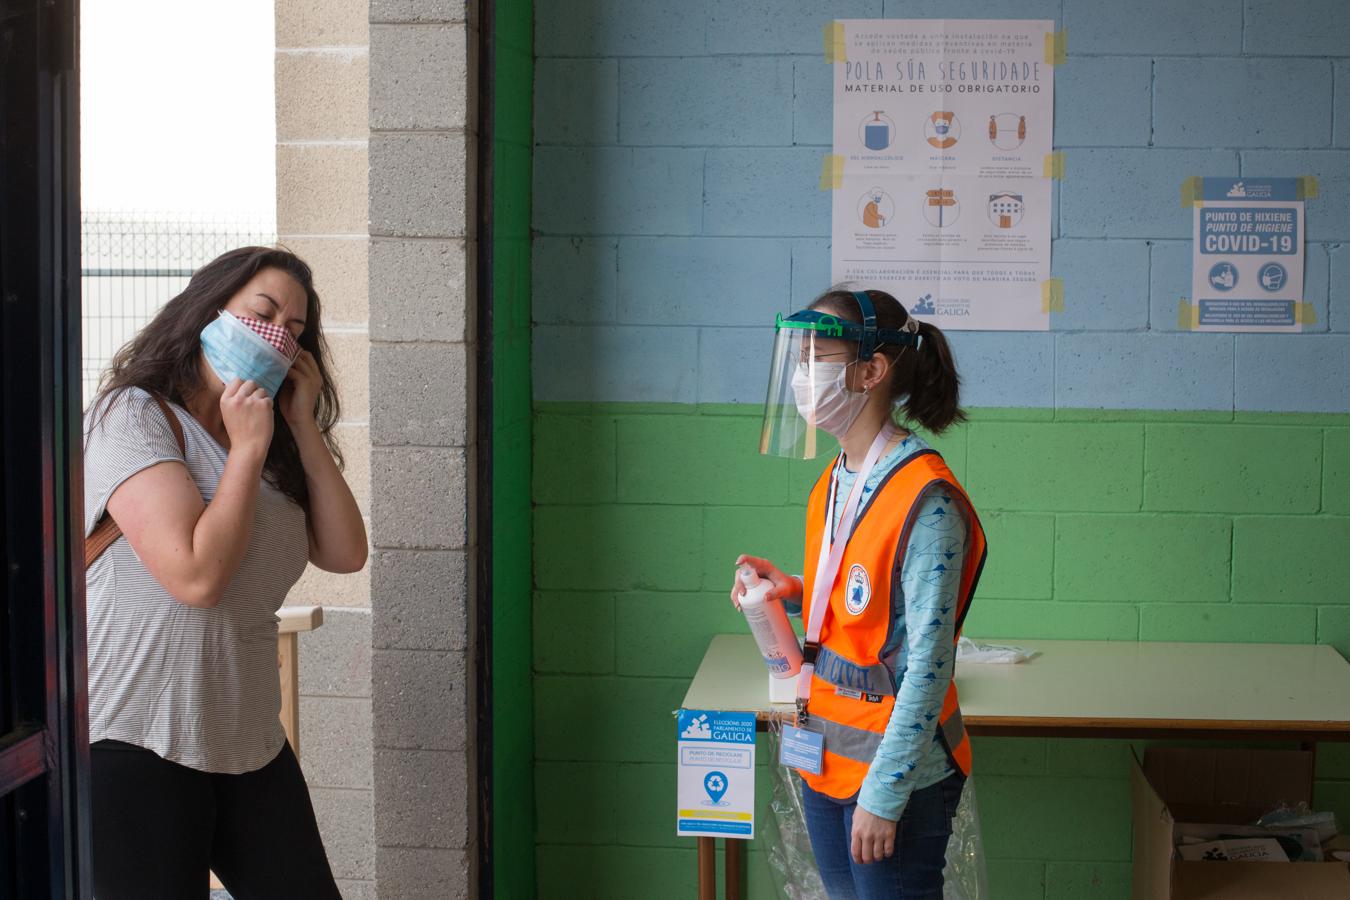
322	77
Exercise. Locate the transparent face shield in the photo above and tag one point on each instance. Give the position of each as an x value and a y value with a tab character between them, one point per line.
808	396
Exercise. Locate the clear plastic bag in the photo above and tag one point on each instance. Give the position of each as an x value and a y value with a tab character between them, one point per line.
794	865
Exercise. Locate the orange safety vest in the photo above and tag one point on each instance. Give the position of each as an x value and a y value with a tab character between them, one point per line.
852	689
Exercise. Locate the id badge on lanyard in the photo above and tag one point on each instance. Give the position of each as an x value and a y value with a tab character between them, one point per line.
832	547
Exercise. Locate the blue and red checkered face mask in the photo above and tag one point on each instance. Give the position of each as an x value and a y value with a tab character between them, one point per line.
249	349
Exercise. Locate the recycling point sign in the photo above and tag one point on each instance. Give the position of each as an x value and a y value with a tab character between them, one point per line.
716	785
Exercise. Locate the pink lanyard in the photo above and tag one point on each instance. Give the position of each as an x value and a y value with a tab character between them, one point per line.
831	557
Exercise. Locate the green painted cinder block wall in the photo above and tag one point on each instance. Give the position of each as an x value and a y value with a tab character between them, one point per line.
1102	525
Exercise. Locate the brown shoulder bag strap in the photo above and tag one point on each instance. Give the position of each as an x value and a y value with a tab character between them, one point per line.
106	532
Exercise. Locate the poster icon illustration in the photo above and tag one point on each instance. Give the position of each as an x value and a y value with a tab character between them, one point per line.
1223	276
924	306
1006	209
715	783
940	207
1272	277
876	208
877	131
1007	131
942	129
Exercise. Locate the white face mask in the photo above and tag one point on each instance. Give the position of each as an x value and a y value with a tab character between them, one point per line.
827	404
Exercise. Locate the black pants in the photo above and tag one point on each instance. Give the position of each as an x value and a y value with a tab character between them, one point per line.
159	826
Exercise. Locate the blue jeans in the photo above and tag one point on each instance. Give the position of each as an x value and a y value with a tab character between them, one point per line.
913	872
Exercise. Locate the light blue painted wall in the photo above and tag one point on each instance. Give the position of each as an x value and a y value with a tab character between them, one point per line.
676	203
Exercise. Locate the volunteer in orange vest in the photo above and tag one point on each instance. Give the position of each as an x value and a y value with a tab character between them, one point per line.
893	553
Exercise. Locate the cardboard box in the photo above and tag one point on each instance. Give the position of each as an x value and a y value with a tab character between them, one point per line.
1221	787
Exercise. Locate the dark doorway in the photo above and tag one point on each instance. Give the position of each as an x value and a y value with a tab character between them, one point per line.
44	801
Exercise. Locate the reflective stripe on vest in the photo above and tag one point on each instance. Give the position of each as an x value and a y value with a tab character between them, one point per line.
857	744
840	672
861	745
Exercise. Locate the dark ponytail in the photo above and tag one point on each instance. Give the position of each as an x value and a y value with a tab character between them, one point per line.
932	389
923	380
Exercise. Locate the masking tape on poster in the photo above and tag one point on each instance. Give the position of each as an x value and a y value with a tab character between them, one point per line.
832	172
1053	167
1192	189
1308	188
835	50
1305	314
1056	48
1188	315
1052	295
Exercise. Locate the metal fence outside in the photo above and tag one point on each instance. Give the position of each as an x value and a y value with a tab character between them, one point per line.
134	262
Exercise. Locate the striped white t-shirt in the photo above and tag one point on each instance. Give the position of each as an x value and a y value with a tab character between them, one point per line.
199	687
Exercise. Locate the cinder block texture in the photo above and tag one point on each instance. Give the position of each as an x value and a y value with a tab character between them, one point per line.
341	275
321	94
1165	371
558	119
346	824
335	659
418	184
1295	28
419	289
1106	285
575	280
618	190
1293	373
609	28
1205	27
329	589
420	77
422	798
425	12
423	699
423	599
335	742
700	101
323	189
354	443
420	394
1134	193
762	192
349	367
677	281
1194	101
1005	368
420	873
321	23
634	363
418	498
1104	101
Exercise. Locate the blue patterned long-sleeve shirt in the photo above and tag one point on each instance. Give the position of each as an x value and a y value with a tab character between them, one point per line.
921	650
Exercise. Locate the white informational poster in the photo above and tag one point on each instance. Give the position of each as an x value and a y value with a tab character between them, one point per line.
716	784
943	131
1247	260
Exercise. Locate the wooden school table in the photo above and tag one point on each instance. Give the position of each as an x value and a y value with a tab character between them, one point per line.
1085	689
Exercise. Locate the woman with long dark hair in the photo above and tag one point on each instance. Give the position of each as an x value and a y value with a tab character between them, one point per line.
212	478
893	554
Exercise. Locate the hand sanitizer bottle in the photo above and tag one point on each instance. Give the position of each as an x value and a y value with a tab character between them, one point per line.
772	630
